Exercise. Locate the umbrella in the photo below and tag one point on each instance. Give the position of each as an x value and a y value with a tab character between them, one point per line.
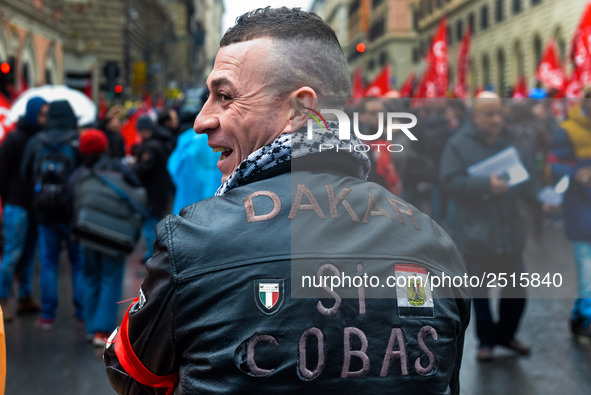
83	107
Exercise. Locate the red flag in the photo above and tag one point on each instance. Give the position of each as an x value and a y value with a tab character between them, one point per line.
102	110
425	88
6	125
380	84
160	102
429	83
406	88
358	88
550	70
520	90
129	131
148	102
437	57
580	48
461	86
572	88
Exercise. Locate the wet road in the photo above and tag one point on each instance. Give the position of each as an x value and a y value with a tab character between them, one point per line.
63	362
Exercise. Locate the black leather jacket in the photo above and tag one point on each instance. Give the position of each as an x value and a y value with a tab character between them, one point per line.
219	311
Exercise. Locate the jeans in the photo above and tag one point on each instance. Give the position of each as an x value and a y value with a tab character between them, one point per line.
51	237
582	307
103	279
149	232
20	238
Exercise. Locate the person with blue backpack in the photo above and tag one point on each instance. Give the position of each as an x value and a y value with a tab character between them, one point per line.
50	158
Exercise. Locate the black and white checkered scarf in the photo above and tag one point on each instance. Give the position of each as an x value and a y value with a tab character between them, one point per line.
292	145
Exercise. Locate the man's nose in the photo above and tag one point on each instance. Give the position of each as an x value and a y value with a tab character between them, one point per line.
206	119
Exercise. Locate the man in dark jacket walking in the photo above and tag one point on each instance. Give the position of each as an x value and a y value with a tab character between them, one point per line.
150	167
20	227
487	227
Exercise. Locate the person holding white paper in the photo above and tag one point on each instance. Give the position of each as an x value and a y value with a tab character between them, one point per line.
486	226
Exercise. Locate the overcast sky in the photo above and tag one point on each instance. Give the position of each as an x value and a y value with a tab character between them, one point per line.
235	8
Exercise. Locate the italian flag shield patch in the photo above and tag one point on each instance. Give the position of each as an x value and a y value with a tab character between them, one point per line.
269	294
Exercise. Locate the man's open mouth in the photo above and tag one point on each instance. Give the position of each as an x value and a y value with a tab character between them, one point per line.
225	152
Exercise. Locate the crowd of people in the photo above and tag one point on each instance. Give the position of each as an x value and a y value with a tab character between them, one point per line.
177	314
489	219
42	164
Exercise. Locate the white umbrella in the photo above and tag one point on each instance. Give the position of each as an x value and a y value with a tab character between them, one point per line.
84	108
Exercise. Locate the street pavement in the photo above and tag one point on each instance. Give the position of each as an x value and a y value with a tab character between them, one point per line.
63	362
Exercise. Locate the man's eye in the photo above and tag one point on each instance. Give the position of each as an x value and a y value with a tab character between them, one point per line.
224	97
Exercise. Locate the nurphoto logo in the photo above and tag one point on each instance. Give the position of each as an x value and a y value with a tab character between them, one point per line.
393	123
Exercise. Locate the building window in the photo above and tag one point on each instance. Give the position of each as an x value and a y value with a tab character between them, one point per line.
561	48
377	29
48	77
519	64
449	35
537	51
471	25
499	10
353	7
459	30
376	3
517	6
485	72
501	68
415	55
484	17
384	58
371	64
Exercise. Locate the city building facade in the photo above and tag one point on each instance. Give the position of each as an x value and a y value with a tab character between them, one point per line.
508	36
207	30
118	42
31	43
384	27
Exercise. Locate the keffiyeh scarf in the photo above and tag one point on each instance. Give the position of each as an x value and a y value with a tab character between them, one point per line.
292	145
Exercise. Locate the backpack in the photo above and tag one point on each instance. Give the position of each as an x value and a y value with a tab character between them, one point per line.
55	160
108	212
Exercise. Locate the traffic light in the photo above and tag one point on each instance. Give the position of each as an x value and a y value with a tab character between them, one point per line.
7	70
118	89
111	71
360	47
6	76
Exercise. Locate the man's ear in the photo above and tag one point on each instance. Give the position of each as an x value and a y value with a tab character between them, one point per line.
301	99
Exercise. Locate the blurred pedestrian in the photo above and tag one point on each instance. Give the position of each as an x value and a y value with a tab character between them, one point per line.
150	167
20	225
486	225
103	270
111	126
192	168
571	156
166	129
384	170
50	158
